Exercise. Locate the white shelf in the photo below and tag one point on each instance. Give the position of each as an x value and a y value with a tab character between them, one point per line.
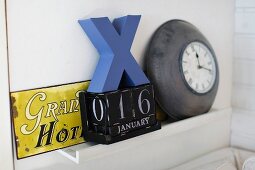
197	134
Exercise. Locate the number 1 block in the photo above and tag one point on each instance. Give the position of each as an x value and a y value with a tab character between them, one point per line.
118	115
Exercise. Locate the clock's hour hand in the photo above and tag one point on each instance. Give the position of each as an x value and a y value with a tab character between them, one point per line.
199	66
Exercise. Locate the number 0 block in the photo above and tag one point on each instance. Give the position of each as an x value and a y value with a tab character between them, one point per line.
114	116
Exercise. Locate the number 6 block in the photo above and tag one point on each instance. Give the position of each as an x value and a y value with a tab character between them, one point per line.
118	115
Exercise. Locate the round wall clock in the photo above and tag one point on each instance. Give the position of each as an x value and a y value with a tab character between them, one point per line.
182	66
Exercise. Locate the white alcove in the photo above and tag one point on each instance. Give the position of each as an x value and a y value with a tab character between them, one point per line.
46	46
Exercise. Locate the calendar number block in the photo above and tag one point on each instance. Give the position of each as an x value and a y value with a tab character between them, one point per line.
118	115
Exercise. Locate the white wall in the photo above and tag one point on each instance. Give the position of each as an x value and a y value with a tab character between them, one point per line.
45	37
6	161
243	99
48	47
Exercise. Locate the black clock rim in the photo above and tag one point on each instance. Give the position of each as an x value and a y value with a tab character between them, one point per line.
181	69
173	112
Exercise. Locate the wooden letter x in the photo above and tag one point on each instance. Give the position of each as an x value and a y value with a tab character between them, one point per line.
113	42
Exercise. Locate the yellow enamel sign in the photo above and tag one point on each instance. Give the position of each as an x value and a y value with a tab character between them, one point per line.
47	119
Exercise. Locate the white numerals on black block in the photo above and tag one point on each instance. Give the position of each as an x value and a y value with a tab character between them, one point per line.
121	111
144	101
119	107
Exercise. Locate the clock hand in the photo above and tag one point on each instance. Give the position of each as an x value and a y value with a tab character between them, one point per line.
205	68
199	66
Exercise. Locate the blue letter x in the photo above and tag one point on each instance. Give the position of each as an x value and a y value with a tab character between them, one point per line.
113	42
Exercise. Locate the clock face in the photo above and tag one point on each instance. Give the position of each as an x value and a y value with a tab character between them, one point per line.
198	67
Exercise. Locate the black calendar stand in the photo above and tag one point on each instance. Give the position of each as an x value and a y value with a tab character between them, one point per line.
118	115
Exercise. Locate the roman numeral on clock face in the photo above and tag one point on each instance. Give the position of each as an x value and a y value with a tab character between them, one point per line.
192	47
190	81
203	86
196	85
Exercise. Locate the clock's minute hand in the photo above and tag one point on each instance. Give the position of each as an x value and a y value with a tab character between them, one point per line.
205	68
